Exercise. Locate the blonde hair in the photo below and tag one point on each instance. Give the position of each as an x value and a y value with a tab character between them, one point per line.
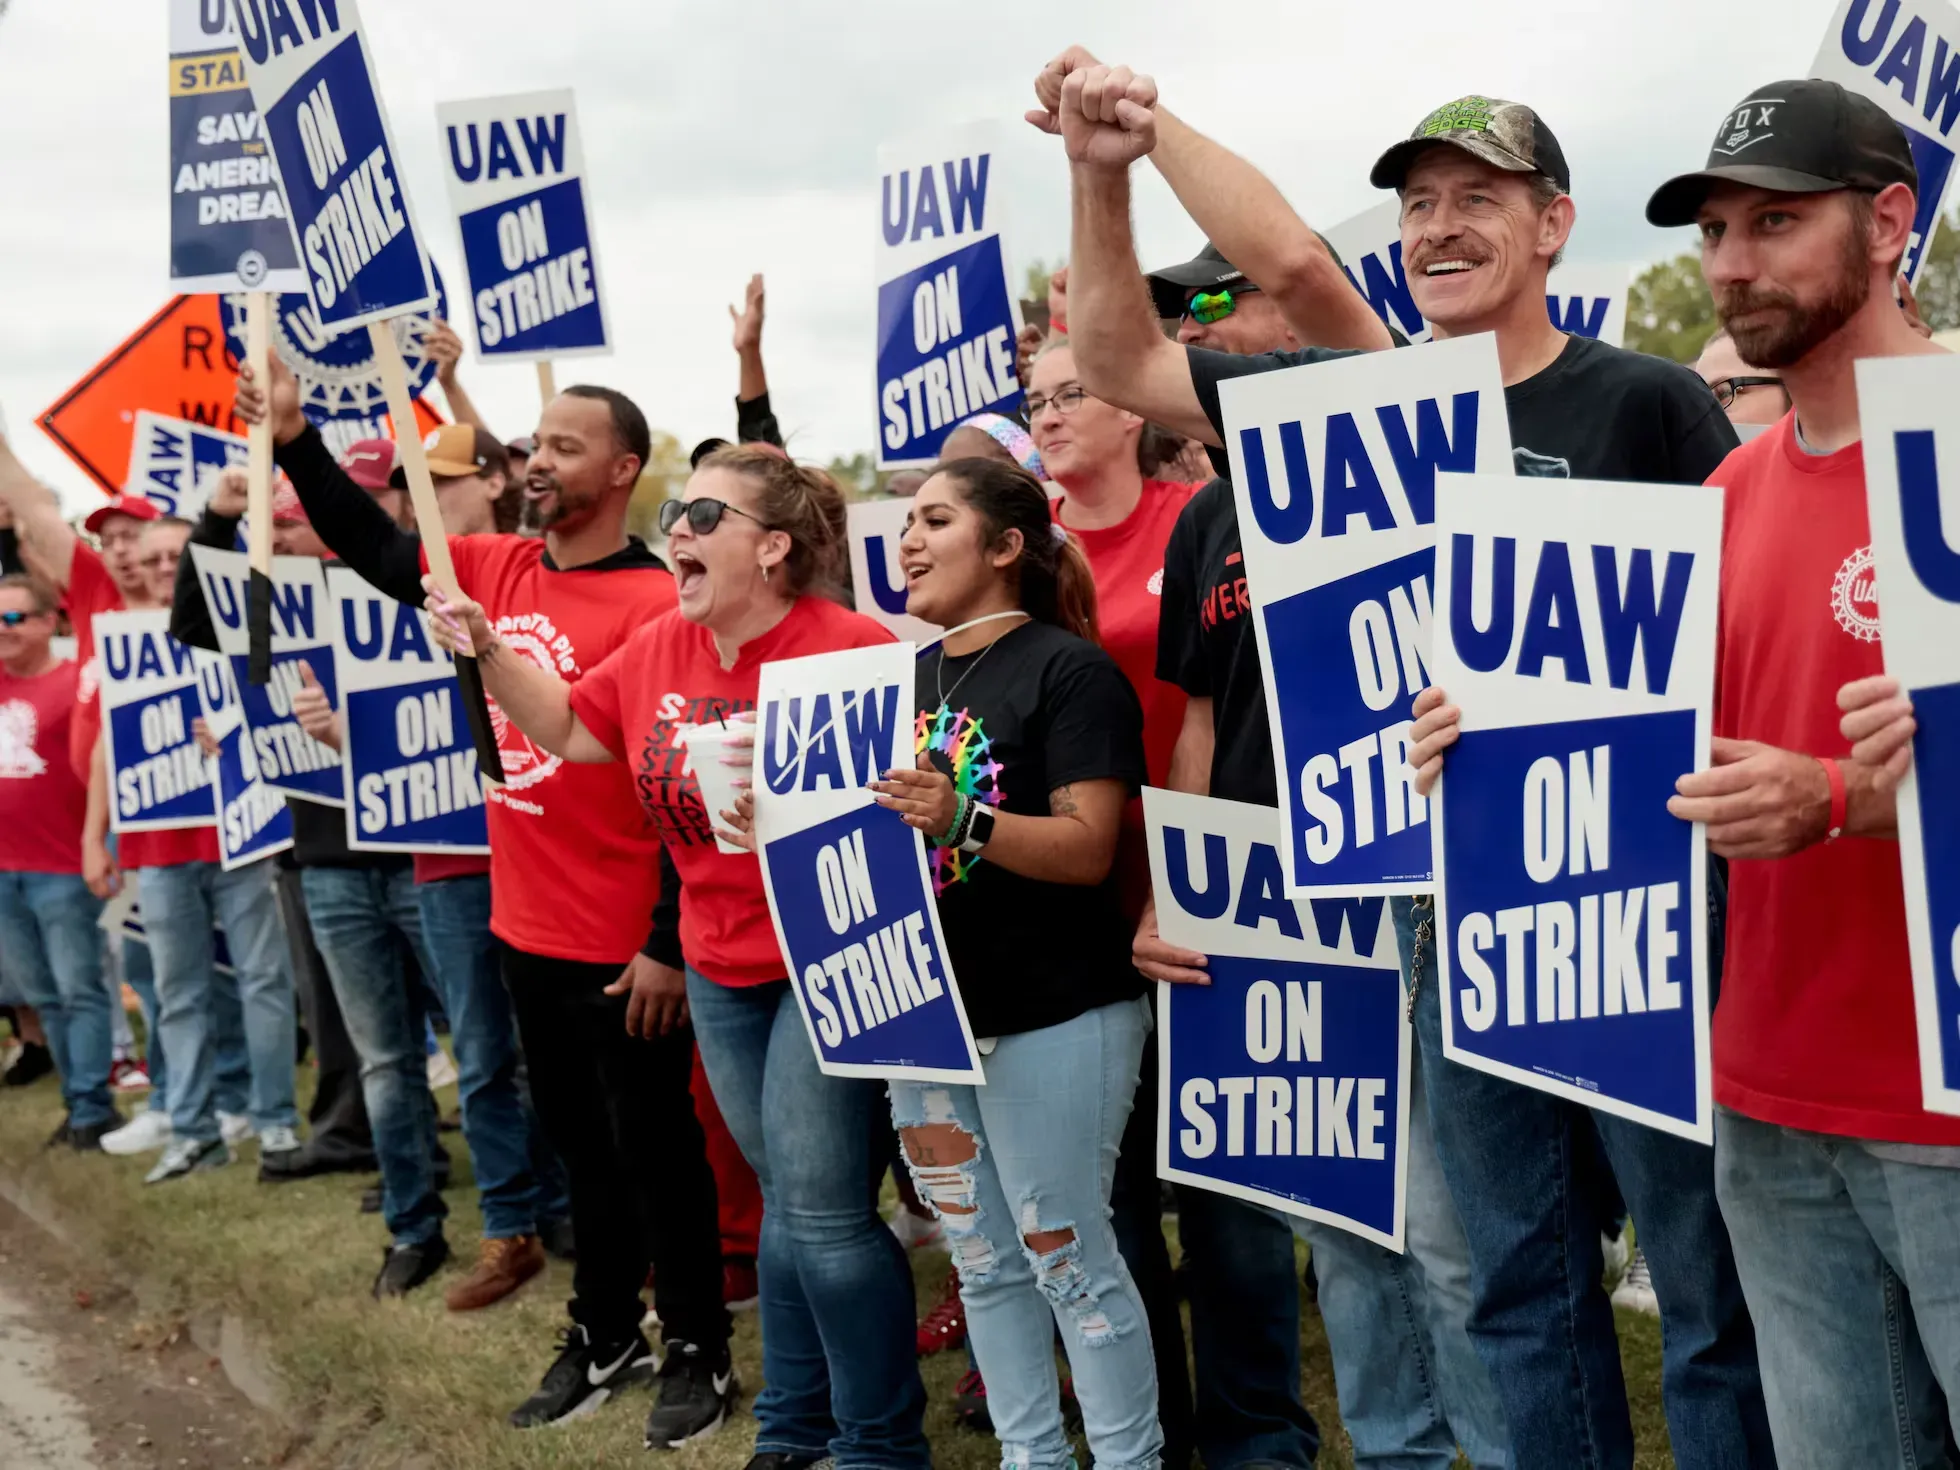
799	500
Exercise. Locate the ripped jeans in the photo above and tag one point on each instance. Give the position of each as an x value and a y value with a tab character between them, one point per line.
1020	1172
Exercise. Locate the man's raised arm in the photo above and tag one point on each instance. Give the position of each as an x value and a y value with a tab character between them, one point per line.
1254	227
46	541
1121	352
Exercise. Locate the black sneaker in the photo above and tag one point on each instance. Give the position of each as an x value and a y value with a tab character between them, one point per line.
584	1377
694	1393
34	1062
560	1243
63	1134
88	1139
405	1267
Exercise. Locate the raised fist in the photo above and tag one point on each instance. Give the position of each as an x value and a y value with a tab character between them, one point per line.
1105	114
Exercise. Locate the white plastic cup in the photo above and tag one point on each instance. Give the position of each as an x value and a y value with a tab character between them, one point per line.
706	746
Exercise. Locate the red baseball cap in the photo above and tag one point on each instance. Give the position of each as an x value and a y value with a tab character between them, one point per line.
133	506
369	463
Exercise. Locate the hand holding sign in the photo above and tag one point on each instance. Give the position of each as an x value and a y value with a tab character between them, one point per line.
923	797
252	405
313	709
445	349
1758	801
459	625
1879	723
229	493
1158	959
1437	725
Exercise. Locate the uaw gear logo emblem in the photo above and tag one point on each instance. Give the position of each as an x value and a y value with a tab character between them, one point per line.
530	636
1747	126
1854	596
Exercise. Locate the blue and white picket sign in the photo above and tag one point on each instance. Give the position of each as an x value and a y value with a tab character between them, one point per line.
875	528
1575	629
289	759
339	383
1584	299
254	821
947	313
314	82
516	169
173	463
157	777
1905	56
1285	1081
1334	469
1912	454
409	770
849	892
228	229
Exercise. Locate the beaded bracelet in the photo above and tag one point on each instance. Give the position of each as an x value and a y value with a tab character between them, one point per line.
952	836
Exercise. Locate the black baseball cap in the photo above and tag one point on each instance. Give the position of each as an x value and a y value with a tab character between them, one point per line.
1207	270
1507	134
1802	137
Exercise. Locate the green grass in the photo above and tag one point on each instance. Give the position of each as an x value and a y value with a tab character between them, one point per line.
368	1385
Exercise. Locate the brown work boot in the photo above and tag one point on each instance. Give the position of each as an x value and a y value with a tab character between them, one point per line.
501	1267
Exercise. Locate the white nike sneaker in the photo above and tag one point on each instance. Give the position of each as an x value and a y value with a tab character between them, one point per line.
278	1140
1636	1291
147	1132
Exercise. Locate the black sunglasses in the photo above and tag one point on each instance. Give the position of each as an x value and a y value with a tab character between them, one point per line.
703	515
1727	390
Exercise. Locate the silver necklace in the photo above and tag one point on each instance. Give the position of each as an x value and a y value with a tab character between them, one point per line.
939	673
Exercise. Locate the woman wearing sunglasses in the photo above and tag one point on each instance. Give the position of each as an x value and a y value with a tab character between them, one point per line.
752	543
1033	744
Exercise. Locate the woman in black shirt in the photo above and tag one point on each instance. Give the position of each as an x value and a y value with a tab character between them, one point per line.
1030	742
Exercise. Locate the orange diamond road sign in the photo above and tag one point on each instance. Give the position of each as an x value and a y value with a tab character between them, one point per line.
174	364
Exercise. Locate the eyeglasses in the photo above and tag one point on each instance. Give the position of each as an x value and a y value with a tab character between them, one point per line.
1214	306
158	562
703	515
1066	401
1727	390
15	619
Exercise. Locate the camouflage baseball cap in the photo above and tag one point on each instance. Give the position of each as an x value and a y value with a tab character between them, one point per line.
1508	135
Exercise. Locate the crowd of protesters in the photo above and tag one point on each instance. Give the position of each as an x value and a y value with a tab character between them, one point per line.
638	1090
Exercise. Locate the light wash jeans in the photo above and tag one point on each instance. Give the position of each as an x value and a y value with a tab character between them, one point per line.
181	907
52	951
1411	1385
1851	1264
1020	1171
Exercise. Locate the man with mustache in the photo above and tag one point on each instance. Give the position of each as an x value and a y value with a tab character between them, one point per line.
1839	1189
574	878
1486	211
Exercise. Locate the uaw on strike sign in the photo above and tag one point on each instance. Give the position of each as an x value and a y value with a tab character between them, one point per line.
947	317
848	887
1912	484
1905	56
515	170
1334	468
1285	1081
158	779
1575	629
314	84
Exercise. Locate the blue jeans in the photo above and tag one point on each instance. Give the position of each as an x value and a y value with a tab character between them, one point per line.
369	933
839	1332
133	964
53	954
1411	1385
1020	1171
498	1124
1517	1163
1851	1265
197	1010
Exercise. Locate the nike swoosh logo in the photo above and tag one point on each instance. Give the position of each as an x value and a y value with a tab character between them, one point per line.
596	1376
722	1381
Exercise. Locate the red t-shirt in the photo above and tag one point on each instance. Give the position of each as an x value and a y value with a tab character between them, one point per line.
42	802
669	675
1815	1027
1128	560
574	865
170	849
90	590
433	867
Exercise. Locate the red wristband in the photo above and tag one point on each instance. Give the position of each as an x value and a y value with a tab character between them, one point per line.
1840	802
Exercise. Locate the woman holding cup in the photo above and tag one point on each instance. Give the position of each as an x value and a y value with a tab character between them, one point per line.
754	538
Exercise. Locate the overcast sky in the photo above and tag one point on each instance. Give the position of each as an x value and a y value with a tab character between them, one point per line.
722	139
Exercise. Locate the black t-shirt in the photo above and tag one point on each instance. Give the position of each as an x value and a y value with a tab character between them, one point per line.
1035	710
1597	413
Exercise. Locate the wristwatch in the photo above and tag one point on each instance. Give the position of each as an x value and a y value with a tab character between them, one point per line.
980	830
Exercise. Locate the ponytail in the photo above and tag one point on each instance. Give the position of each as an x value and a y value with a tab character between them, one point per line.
800	500
1052	574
